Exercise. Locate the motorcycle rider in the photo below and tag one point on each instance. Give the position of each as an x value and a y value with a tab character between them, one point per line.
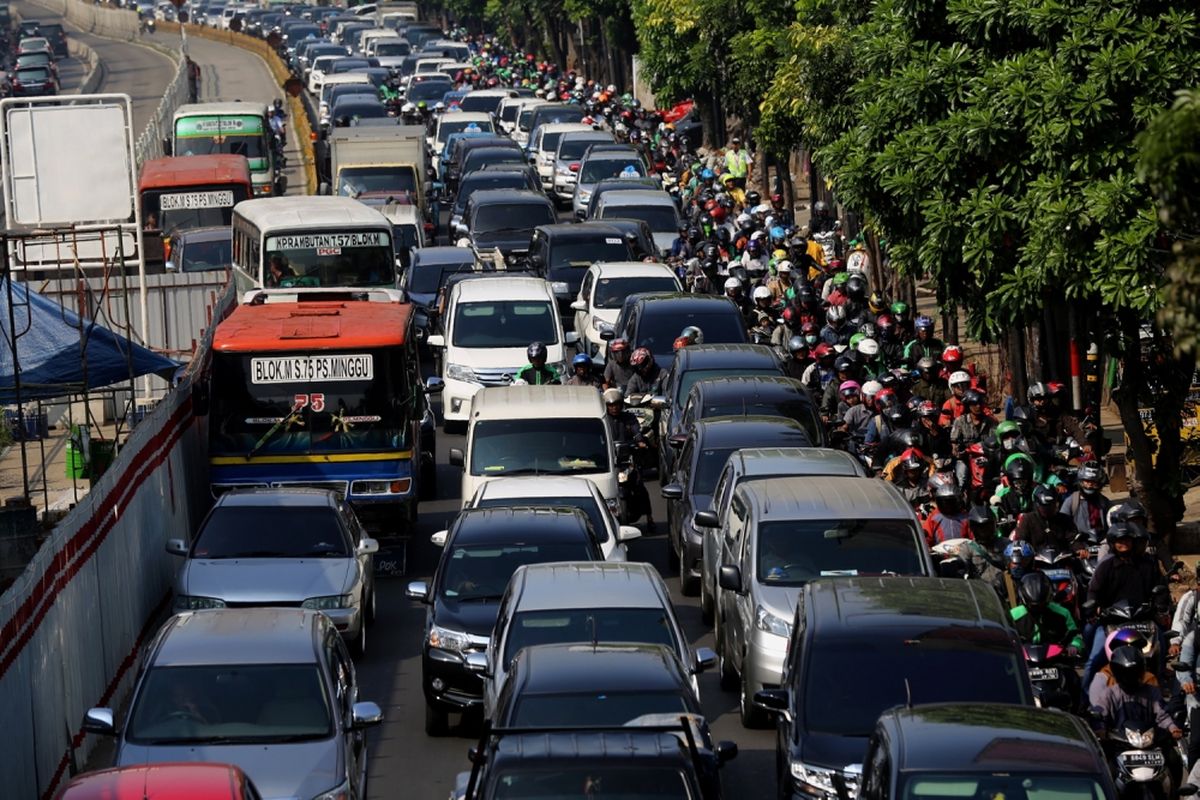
929	385
1046	525
1040	620
925	344
624	429
799	358
1018	558
973	425
836	331
648	377
733	290
536	373
952	409
844	370
582	372
935	440
948	520
617	371
1086	506
912	479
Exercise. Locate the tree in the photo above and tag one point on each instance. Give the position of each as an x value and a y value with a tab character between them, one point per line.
992	143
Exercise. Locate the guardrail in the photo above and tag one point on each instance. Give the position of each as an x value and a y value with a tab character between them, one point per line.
150	143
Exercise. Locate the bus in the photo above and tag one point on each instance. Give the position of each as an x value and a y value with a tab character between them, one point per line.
201	129
322	394
312	243
179	194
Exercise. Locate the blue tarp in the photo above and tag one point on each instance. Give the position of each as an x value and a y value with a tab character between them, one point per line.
49	350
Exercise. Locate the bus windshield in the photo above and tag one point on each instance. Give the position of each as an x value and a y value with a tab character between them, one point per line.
186	207
333	258
211	135
288	403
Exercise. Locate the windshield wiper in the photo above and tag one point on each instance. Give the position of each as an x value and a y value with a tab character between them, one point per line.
479	598
195	740
252	554
286	422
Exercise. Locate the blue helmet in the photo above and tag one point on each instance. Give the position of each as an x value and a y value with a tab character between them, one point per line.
778	233
706	174
581	360
1019	550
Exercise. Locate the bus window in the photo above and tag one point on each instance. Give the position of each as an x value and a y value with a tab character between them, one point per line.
364	258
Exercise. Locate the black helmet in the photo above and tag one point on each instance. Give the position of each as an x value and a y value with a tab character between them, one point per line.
981	519
973	397
1128	511
856	285
908	439
897	415
912	461
753	199
843	363
945	494
1118	531
1044	496
1019	469
1128	665
796	343
1035	591
535	350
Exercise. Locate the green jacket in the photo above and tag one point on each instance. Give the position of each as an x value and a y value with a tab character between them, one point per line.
1057	626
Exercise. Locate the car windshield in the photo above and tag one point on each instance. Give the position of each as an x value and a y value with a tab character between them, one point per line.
562	446
572	148
660	218
1012	785
564	781
593	708
481	103
585	503
392	49
203	256
482	571
579	255
690	377
597	169
516	217
428	91
32	74
793	552
798	410
450	125
429	279
476	159
354	108
206	135
238	704
505	323
485	180
659	331
271	532
845	690
548	115
611	292
588	625
351	258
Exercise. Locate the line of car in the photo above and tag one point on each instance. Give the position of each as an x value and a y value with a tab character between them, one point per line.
33	71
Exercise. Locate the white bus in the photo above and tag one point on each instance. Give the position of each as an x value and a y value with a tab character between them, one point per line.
294	245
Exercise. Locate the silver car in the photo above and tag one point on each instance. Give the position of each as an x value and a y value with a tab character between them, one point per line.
270	690
281	547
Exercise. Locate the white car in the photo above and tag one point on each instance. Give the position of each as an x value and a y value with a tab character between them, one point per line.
558	491
543	144
604	290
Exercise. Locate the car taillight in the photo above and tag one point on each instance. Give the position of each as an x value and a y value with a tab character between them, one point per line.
573	168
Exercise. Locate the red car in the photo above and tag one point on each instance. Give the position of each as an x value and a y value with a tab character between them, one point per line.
191	781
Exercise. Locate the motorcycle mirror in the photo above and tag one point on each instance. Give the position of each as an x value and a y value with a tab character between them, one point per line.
1179	666
1188	789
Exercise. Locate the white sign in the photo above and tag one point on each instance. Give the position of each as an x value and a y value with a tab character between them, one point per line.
191	200
313	369
313	241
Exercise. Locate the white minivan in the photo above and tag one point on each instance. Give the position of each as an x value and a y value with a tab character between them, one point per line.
489	324
537	430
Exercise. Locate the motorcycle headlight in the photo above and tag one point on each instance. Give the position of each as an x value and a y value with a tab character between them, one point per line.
187	602
445	639
1140	739
764	620
457	372
328	602
614	505
813	780
337	793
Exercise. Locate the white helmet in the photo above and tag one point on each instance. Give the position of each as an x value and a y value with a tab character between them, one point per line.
732	283
868	347
761	293
961	376
743	219
784	266
871	388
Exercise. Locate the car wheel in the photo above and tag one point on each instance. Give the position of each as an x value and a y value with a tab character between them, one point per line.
689	585
752	715
437	722
672	553
706	602
358	648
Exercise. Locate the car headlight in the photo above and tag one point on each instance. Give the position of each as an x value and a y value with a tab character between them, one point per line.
584	196
188	602
766	621
559	287
598	324
445	639
329	602
813	780
457	372
337	793
562	171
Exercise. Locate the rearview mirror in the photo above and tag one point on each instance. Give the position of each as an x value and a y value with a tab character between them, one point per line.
434	385
658	401
364	715
368	547
436	340
726	751
579	305
177	547
100	721
627	533
571	338
477	663
457	459
771	699
730	578
705	659
672	491
439	538
417	590
607	334
707	519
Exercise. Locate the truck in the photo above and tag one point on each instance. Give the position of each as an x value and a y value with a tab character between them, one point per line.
376	164
405	11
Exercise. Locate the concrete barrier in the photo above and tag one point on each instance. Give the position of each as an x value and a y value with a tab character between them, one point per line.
93	75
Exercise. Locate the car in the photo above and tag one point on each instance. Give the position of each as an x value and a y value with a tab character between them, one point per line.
942	641
270	690
522	128
444	163
32	82
653	206
504	219
182	781
543	144
36	58
702	455
580	603
764	395
479	156
509	109
638	234
553	114
572	685
568	157
563	253
502	177
749	464
201	250
919	751
483	548
427	274
458	122
288	546
348	110
339	86
408	229
601	171
655	320
603	291
485	100
31	43
560	491
427	88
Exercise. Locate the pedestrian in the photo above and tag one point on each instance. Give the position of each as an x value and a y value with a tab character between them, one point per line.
737	163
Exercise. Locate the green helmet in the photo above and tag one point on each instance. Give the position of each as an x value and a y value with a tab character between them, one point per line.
899	308
855	339
841	278
1005	428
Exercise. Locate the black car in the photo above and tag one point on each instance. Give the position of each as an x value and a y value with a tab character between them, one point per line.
351	108
562	254
574	685
202	250
56	35
482	550
702	457
461	147
638	234
983	749
504	219
654	321
476	158
492	176
766	395
860	646
424	278
32	82
701	362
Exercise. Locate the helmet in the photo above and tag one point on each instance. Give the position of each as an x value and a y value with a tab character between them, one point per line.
1130	511
945	494
761	293
1090	472
973	397
1128	666
899	309
849	388
732	283
912	461
1006	429
843	364
908	439
1036	392
618	346
1044	497
960	376
924	323
536	350
885	323
1035	591
925	363
1121	530
877	302
1126	637
1018	552
869	348
928	409
840	278
784	267
835	315
640	356
613	395
856	284
981	520
753	199
796	343
581	360
692	334
1018	469
871	388
952	353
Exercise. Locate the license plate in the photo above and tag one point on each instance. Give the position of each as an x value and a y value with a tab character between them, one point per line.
1057	574
1143	758
1043	673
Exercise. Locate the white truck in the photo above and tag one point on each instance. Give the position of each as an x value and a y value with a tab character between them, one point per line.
377	164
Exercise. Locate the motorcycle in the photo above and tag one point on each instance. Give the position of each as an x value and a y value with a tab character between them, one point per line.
1055	684
1060	567
1140	766
632	498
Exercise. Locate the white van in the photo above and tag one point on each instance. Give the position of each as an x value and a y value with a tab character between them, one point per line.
544	145
488	325
537	430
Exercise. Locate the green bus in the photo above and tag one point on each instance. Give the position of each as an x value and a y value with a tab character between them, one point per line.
201	129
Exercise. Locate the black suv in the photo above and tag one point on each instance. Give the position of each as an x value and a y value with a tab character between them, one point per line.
860	646
562	254
655	320
482	550
504	219
768	396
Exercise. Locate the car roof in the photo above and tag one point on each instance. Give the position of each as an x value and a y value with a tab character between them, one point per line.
595	669
535	402
632	269
513	525
428	256
537	486
989	738
529	749
513	288
563	127
751	387
212	234
720	356
752	462
825	497
578	230
637	197
602	584
238	636
853	607
508	197
669	302
163	781
467	116
282	497
324	326
749	430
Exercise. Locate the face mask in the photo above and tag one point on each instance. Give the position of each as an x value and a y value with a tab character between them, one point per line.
810	338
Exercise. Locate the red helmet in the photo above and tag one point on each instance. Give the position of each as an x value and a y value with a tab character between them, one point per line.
788	314
618	345
640	356
682	342
822	350
928	410
776	197
710	205
718	214
884	321
952	353
809	327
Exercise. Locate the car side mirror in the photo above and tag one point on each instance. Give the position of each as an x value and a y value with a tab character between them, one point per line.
672	491
460	229
167	147
626	533
477	663
100	721
730	578
417	590
726	751
571	338
177	547
607	334
705	659
323	188
365	715
368	547
440	537
434	385
658	401
773	700
169	266
707	519
457	459
436	340
676	440
579	305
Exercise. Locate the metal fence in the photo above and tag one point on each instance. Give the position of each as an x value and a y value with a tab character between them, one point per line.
150	143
